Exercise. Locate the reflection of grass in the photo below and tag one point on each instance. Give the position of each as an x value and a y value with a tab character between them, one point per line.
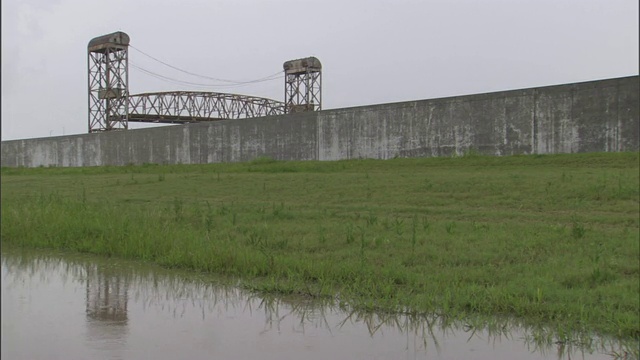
549	239
430	330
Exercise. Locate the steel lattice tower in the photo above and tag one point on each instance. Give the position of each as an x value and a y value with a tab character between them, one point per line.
108	63
302	85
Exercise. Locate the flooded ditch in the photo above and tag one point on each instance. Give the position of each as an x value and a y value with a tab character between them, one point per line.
62	306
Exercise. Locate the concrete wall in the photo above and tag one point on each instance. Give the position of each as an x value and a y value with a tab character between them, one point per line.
584	117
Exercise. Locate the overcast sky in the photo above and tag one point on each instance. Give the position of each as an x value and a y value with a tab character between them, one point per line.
372	51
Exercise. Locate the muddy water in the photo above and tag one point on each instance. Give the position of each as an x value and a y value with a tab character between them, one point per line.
75	307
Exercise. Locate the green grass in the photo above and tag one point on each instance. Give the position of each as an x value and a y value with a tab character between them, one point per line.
552	240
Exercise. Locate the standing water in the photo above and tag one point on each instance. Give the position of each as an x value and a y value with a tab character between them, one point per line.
83	307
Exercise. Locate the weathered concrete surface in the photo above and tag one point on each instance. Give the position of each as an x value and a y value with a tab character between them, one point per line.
583	117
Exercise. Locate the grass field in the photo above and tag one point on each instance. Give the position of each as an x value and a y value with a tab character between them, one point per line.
551	240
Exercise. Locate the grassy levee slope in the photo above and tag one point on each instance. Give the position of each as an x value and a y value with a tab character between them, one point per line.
549	239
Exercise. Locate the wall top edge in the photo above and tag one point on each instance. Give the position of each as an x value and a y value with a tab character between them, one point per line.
632	80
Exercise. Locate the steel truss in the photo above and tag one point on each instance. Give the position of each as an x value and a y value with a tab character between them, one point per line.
303	85
194	106
108	62
111	107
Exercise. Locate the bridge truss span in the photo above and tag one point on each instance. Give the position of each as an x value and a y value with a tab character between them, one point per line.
195	106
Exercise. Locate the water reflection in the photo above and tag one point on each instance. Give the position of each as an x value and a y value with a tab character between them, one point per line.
106	295
133	311
106	307
426	332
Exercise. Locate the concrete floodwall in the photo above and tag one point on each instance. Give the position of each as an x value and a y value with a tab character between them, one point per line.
583	117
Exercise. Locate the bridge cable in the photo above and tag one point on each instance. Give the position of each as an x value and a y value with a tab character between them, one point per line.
182	82
233	82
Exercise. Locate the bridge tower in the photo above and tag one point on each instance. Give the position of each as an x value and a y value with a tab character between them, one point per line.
108	64
302	85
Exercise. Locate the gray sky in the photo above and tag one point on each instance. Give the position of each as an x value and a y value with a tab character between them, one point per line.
372	51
